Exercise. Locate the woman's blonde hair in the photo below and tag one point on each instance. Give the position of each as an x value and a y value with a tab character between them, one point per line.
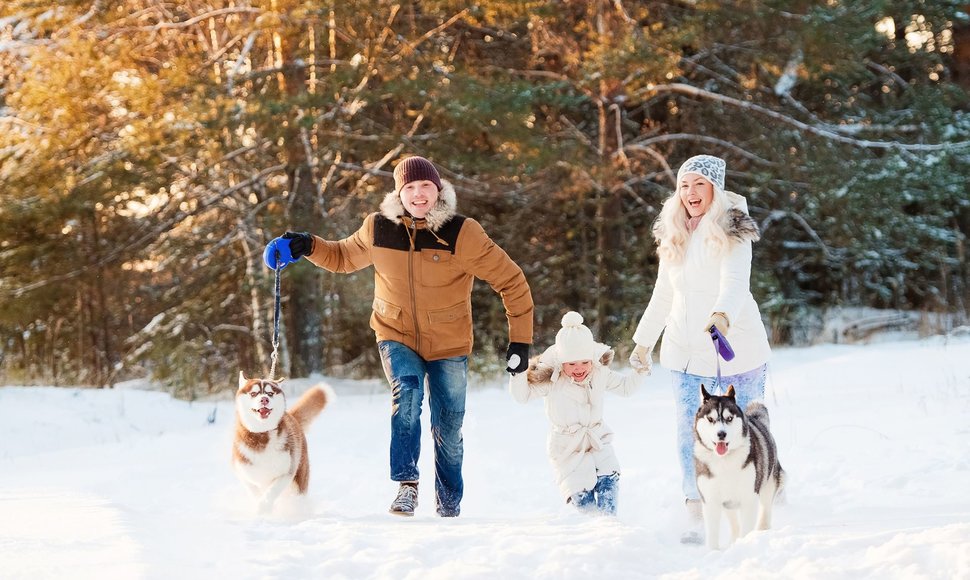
670	229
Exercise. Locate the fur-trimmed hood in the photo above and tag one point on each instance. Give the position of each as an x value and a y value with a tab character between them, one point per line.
546	369
579	443
735	222
444	209
739	226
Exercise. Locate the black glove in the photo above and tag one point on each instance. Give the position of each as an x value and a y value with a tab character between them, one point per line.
301	244
521	350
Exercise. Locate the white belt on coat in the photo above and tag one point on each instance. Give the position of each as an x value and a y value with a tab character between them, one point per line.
587	432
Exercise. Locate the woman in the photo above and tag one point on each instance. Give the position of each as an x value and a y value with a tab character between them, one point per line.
704	234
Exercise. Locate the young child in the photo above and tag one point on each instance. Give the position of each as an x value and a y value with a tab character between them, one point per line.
573	376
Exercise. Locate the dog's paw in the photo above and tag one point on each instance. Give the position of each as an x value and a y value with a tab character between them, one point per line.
692	538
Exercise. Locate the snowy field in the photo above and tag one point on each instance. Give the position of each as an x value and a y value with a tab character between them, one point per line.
132	484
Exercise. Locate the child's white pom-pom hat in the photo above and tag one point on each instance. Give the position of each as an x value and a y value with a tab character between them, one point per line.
574	342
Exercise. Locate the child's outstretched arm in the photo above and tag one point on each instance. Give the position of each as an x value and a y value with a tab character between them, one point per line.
622	384
625	384
532	384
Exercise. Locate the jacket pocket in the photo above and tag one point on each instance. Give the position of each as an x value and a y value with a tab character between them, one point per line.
436	268
385	309
450	329
450	314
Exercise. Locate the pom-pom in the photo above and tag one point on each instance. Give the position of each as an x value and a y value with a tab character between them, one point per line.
572	318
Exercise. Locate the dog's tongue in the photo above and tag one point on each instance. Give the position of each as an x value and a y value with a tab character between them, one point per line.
265	411
721	448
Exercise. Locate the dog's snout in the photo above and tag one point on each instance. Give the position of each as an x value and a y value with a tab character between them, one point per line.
721	435
264	400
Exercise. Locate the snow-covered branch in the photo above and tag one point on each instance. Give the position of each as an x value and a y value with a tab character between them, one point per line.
201	17
150	236
780	214
643	143
827	132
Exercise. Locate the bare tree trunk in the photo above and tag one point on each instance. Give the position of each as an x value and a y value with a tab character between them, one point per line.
961	277
609	213
106	362
961	51
305	304
22	343
81	333
589	275
94	354
53	349
254	306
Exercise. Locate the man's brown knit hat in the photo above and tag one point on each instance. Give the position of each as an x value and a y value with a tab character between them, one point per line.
415	169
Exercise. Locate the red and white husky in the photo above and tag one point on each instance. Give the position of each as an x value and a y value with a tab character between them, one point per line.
269	453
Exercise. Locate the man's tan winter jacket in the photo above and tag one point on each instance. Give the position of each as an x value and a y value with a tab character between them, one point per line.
423	275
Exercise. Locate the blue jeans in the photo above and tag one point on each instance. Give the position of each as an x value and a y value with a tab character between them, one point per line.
749	386
447	379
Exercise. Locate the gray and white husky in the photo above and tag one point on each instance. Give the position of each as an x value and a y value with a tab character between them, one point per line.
736	461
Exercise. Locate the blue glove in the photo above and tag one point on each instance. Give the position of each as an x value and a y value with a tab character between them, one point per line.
286	249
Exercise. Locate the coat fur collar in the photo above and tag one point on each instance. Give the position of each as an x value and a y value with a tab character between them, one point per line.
739	226
444	209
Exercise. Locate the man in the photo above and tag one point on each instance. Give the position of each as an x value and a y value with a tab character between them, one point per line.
425	258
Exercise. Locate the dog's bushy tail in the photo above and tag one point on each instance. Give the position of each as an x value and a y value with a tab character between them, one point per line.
311	403
756	411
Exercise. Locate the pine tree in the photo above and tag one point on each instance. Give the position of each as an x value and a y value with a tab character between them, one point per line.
149	151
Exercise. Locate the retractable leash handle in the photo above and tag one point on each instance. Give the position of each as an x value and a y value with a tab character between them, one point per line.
722	349
721	344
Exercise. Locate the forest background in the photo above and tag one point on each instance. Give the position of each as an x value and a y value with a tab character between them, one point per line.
150	149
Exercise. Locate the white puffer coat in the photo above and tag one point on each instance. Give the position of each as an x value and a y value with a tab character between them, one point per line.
579	441
688	293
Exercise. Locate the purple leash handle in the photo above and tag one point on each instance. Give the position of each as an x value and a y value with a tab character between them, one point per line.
722	349
721	344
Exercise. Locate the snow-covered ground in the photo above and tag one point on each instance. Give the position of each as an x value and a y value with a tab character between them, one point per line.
133	484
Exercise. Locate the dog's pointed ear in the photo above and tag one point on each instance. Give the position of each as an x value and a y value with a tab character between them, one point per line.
704	394
730	393
242	379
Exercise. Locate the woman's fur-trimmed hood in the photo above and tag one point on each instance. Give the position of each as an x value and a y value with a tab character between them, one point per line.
540	371
444	209
739	226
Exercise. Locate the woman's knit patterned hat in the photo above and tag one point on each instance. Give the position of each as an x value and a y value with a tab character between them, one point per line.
710	167
415	169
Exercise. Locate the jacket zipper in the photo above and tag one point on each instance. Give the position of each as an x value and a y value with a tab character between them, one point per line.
412	233
686	314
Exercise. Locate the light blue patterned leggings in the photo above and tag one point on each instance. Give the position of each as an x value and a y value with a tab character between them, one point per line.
749	386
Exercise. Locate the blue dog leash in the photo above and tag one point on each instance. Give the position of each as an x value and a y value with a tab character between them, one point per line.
276	321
